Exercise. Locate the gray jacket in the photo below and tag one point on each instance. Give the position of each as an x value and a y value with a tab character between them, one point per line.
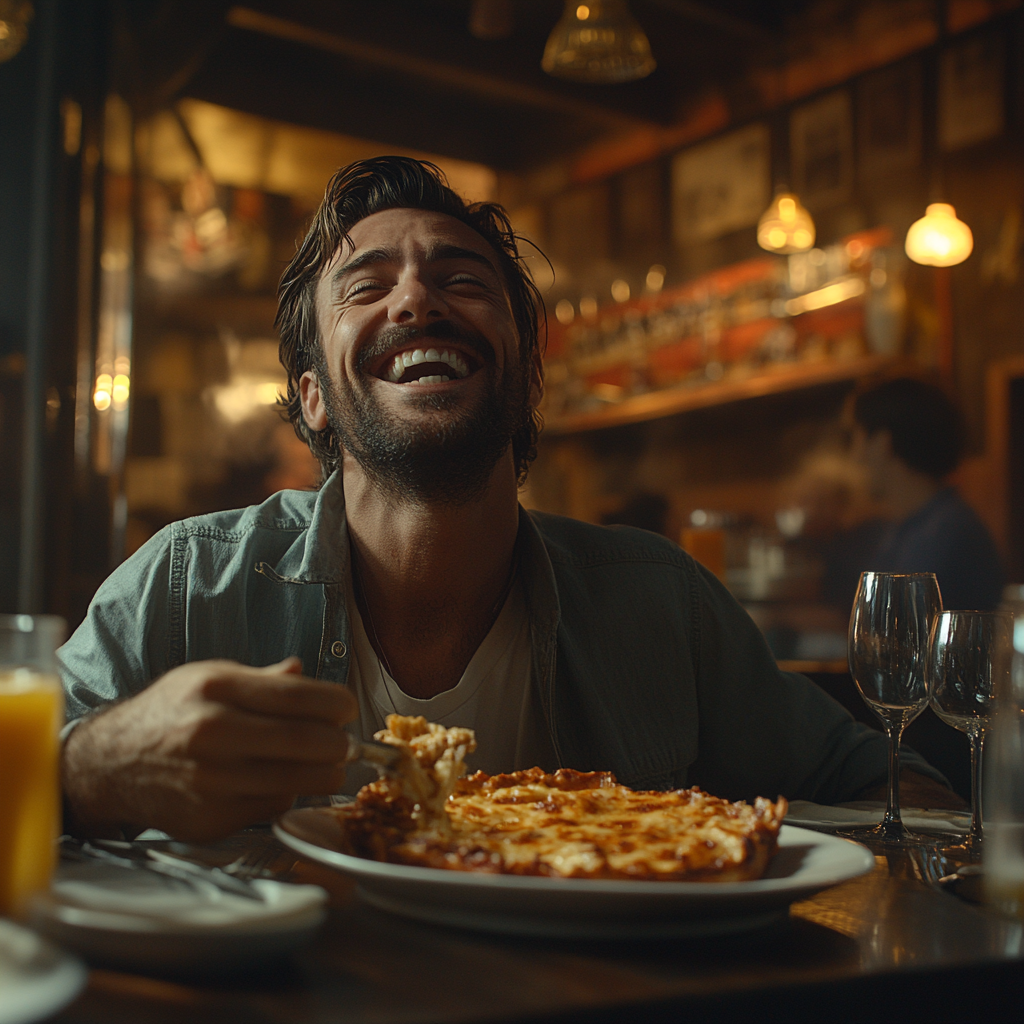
643	662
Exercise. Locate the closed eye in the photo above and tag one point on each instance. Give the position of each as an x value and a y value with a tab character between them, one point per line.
465	279
363	287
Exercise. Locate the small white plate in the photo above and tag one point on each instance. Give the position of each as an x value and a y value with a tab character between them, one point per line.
132	919
36	979
862	812
805	863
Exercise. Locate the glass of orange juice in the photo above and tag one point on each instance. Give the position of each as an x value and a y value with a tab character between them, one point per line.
31	715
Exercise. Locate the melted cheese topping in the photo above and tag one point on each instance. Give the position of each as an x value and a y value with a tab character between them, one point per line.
432	762
566	824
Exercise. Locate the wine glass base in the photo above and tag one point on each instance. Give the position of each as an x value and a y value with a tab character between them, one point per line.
898	836
964	850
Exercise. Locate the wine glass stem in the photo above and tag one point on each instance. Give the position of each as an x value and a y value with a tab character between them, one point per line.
892	811
977	745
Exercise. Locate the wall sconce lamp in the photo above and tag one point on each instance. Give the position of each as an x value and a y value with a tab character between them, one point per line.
786	226
939	238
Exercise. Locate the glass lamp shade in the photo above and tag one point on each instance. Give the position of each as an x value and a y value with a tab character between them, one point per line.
939	239
14	18
598	41
786	226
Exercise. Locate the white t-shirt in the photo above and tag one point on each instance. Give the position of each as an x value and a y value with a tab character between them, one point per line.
494	696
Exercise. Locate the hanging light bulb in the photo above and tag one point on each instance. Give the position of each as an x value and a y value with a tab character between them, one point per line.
598	41
939	239
786	226
14	18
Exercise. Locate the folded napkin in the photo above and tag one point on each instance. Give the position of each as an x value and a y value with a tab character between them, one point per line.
868	812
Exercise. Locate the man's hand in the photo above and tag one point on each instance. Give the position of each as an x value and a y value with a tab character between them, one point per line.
208	748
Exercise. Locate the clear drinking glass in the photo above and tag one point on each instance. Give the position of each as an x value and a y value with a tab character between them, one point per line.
1004	788
889	628
31	715
968	657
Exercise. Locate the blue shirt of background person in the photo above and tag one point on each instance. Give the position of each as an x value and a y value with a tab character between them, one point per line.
909	436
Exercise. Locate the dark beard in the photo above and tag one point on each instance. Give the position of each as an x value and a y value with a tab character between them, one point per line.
447	463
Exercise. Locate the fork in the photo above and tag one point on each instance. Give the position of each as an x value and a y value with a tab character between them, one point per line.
257	860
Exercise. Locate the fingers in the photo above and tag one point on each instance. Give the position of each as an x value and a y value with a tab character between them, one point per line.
230	733
285	694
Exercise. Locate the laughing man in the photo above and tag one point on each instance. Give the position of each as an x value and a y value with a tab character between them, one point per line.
221	668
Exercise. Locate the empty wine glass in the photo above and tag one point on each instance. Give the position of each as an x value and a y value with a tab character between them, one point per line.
968	653
889	628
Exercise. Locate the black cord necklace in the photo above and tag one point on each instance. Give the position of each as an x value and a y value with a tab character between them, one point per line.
378	649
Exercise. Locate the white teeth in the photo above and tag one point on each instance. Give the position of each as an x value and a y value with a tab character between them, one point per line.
436	378
403	360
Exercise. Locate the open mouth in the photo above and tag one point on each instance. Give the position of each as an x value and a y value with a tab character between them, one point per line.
427	366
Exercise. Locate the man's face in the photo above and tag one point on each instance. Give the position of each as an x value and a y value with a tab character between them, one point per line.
421	377
874	453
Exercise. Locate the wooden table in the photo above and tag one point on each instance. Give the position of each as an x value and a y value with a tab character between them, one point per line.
888	946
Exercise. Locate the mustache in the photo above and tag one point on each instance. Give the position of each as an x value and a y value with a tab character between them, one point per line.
396	336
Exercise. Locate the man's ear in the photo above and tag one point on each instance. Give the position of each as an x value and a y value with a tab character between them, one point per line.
314	411
536	378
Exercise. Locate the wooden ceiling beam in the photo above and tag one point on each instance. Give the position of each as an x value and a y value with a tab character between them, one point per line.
451	76
717	19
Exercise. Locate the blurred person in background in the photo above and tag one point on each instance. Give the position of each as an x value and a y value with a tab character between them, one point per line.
909	437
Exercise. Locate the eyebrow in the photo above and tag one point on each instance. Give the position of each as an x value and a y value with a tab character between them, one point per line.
435	254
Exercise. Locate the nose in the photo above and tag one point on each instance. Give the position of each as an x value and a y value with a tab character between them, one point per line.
416	300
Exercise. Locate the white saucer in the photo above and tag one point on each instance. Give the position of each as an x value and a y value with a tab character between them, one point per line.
133	919
36	979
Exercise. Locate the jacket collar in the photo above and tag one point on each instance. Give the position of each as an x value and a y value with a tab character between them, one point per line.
320	553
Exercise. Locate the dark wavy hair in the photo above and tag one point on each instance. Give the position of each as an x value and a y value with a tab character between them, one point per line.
356	191
926	426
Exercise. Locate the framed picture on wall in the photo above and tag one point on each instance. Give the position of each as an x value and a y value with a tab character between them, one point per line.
821	149
889	119
971	92
722	185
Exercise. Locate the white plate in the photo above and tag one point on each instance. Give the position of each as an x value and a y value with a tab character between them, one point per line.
131	919
36	979
806	863
861	812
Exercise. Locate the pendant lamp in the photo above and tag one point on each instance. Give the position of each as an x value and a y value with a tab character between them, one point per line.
598	41
939	238
786	226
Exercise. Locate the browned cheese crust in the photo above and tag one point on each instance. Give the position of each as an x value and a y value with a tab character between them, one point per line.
570	824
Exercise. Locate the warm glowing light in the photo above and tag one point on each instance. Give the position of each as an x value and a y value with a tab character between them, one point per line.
237	402
598	42
119	392
785	227
565	312
588	306
939	239
839	291
655	278
620	290
101	395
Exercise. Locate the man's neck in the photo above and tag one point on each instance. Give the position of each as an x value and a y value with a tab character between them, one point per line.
430	578
908	491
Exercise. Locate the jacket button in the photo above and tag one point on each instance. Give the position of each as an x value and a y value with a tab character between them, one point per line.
338	649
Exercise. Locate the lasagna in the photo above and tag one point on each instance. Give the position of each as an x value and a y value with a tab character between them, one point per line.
563	824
